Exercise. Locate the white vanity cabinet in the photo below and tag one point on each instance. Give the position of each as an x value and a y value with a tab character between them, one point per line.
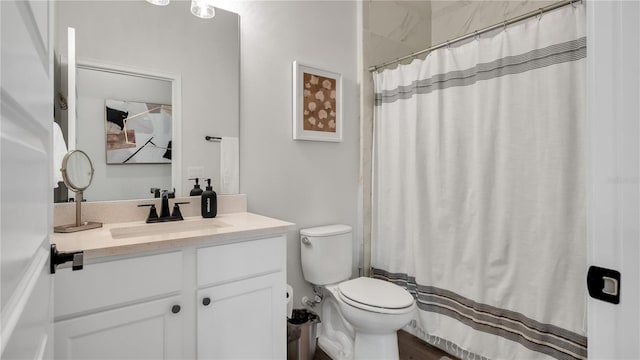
240	297
214	300
120	308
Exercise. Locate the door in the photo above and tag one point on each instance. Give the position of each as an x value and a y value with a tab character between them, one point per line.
26	113
150	330
613	98
242	320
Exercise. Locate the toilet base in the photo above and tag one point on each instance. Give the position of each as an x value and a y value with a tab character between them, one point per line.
365	346
349	333
376	346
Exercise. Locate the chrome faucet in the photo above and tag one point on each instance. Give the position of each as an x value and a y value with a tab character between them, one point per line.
165	215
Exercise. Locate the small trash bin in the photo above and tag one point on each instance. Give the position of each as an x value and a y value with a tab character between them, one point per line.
301	335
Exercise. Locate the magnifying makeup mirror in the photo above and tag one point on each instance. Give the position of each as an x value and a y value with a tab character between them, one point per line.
77	173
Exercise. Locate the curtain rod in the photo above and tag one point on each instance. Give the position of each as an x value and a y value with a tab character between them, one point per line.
476	33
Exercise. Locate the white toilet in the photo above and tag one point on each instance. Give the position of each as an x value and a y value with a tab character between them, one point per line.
360	317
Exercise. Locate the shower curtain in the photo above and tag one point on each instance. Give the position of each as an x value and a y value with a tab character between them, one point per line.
479	194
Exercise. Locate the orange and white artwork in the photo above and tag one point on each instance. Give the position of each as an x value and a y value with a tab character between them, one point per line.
317	113
319	103
137	132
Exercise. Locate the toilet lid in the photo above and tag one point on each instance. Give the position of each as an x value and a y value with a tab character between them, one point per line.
376	293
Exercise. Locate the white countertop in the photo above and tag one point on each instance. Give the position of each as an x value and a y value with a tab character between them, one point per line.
137	236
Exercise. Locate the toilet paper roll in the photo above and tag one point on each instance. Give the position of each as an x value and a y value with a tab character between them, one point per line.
289	301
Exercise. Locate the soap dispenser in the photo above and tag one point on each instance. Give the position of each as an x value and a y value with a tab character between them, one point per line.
196	191
209	202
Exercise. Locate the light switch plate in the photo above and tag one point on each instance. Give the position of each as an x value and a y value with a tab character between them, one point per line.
604	284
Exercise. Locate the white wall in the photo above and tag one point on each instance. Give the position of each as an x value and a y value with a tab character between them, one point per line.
169	40
613	176
309	183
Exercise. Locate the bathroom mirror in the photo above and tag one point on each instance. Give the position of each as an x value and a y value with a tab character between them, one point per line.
141	38
77	173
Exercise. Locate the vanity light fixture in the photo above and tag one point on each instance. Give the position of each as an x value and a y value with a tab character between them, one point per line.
159	2
203	9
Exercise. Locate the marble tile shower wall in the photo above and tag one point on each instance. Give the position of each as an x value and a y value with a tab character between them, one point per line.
450	19
392	29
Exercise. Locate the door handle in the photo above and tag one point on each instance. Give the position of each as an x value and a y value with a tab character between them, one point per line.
60	257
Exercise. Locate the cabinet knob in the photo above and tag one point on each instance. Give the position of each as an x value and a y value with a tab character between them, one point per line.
175	309
206	301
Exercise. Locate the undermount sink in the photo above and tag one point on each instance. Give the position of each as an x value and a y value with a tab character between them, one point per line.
166	228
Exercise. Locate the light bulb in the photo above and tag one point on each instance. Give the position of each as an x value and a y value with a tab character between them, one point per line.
159	2
203	9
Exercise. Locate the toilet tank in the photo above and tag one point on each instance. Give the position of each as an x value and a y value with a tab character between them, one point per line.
326	254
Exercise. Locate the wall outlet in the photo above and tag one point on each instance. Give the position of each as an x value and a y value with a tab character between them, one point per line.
195	172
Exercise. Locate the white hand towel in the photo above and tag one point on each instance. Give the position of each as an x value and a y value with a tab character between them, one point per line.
59	151
229	165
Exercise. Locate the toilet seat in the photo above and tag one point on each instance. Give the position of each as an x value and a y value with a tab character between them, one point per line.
375	295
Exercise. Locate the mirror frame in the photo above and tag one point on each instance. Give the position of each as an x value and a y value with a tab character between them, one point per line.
65	175
176	103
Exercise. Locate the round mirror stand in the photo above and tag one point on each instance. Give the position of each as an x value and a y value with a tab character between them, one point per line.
77	173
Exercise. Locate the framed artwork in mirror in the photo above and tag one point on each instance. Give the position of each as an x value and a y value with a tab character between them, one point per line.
137	132
317	104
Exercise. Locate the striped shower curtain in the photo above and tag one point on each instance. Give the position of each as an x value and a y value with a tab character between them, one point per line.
479	193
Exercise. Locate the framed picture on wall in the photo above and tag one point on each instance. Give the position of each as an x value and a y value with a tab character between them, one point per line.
137	132
317	104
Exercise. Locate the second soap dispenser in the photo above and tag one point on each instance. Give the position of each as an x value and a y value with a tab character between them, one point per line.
209	202
196	191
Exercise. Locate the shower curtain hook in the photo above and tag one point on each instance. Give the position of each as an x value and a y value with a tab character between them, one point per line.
448	45
476	36
505	26
573	3
540	15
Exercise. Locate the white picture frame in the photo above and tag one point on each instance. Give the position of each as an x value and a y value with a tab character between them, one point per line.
317	104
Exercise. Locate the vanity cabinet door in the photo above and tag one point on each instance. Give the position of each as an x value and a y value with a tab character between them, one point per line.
150	330
243	320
